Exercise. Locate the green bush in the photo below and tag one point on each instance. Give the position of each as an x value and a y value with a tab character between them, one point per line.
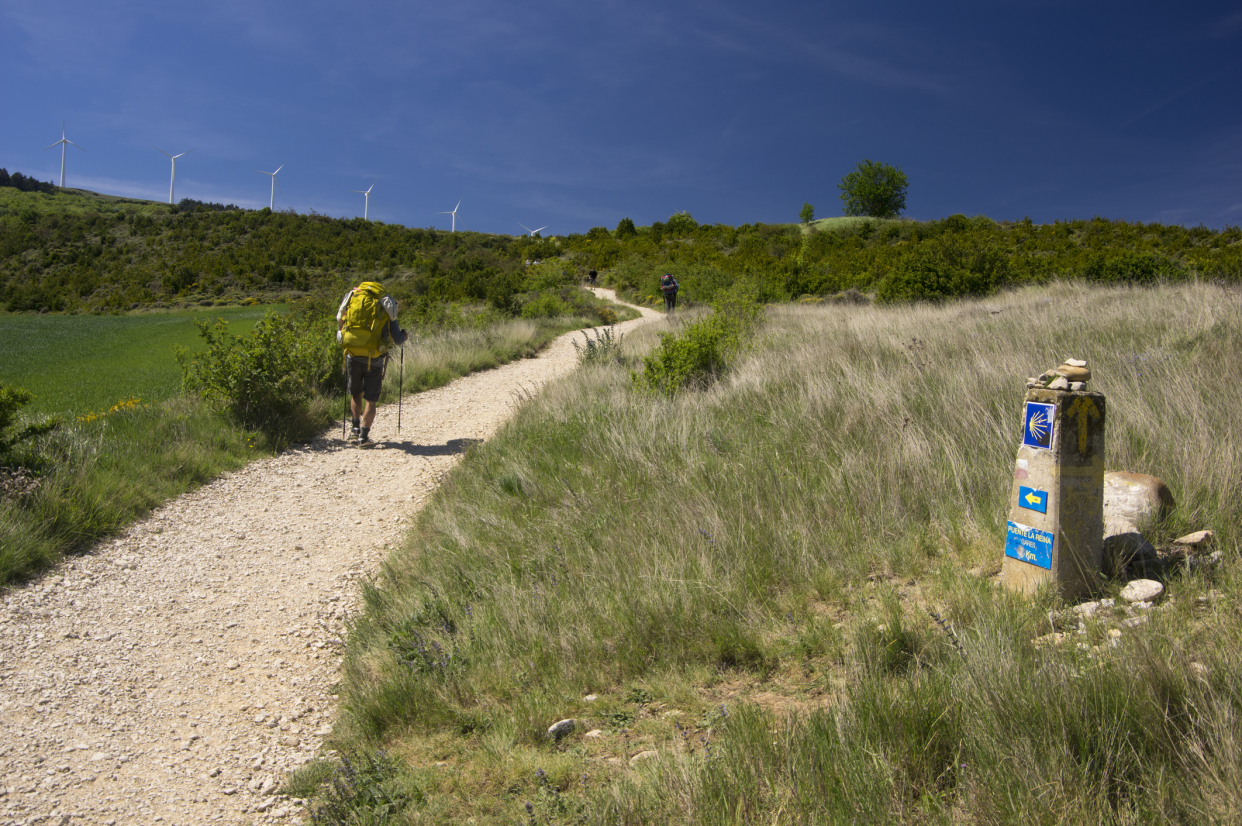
1134	266
950	266
13	399
698	355
266	379
546	305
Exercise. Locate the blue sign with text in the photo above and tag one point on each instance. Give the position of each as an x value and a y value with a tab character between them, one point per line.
1032	499
1028	544
1037	428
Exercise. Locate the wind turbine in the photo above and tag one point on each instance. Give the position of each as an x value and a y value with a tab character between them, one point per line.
272	203
367	193
173	182
63	143
528	229
454	214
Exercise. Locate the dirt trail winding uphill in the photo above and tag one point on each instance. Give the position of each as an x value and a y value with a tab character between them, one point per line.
173	674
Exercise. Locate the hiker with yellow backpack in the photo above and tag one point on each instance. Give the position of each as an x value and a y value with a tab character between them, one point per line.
366	327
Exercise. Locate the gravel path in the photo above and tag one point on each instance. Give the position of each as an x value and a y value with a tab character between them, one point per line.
174	673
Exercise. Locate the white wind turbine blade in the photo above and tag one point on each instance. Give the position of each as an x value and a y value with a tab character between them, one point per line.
537	230
523	226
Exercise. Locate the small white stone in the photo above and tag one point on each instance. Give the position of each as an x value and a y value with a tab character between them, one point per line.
1059	383
1142	590
561	728
594	734
1196	539
1075	362
590	698
643	756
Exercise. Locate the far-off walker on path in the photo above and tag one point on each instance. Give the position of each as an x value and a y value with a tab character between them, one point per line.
1055	531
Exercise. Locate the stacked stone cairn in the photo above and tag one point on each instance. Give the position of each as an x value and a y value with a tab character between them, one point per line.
1072	375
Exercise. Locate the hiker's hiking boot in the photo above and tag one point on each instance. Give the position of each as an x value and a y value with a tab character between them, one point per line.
353	433
365	441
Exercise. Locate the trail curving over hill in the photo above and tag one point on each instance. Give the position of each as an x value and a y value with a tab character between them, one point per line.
174	673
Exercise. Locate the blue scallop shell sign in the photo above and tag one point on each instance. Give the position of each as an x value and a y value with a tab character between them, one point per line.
1037	431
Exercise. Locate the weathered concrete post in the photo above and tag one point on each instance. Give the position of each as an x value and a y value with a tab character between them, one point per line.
1056	508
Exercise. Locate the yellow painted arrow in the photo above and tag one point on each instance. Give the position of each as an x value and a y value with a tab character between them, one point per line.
1084	408
1033	499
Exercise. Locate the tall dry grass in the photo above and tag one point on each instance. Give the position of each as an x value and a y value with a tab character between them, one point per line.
789	527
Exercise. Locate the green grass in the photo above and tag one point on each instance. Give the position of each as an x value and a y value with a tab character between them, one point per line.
841	222
743	576
79	364
96	477
73	202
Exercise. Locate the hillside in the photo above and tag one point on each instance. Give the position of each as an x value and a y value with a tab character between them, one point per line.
74	252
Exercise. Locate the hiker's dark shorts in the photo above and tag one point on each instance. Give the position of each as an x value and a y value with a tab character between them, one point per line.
362	380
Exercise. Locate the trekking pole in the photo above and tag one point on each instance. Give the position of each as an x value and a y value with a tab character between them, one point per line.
400	388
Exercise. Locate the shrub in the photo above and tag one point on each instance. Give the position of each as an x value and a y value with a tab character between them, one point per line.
13	399
625	229
266	379
699	354
681	225
1129	265
546	305
605	347
948	267
807	215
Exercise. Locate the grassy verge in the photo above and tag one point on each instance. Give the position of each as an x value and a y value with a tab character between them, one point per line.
739	580
92	477
96	477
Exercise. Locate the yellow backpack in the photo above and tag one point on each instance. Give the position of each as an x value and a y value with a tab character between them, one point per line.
366	331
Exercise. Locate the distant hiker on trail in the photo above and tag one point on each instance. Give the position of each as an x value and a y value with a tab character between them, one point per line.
591	276
668	285
366	326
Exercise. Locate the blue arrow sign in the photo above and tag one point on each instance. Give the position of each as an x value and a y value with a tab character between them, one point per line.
1032	499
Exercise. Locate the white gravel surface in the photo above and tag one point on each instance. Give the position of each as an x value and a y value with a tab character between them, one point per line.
174	673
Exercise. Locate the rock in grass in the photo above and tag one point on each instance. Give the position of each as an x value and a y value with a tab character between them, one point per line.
1142	590
557	731
1129	550
643	756
1198	539
1075	363
1131	498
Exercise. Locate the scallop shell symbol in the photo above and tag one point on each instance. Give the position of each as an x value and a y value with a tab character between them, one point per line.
1039	425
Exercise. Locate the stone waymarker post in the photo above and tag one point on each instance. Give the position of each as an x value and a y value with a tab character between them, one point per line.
1056	509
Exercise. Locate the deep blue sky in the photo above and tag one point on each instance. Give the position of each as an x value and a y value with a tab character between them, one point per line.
575	114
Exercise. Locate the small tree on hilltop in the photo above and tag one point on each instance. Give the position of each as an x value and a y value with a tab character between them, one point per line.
876	190
625	229
807	214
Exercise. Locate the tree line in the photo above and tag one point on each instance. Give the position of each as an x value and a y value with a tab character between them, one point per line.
19	181
104	260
